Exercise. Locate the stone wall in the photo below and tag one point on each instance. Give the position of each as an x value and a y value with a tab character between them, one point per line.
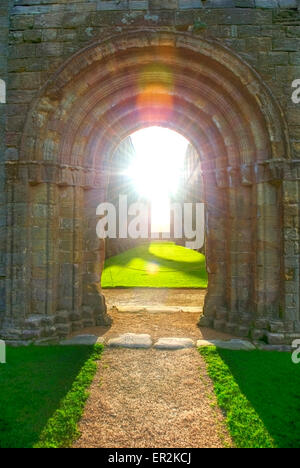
4	30
43	36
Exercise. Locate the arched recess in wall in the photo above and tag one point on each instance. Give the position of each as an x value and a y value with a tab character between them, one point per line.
200	89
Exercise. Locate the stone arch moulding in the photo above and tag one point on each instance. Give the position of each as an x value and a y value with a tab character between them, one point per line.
98	97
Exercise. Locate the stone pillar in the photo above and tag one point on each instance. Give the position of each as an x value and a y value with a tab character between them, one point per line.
268	267
44	248
215	308
291	309
240	260
69	313
40	266
93	258
17	262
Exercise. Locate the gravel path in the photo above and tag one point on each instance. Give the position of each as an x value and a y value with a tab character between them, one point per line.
158	325
153	297
152	399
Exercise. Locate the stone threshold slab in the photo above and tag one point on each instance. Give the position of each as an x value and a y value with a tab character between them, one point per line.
131	340
157	309
144	341
174	343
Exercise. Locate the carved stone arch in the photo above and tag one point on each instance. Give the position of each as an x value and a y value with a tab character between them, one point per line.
102	94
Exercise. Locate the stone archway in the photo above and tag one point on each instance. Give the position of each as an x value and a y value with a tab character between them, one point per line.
101	95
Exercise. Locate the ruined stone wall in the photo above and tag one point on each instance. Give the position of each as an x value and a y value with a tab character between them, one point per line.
4	30
43	35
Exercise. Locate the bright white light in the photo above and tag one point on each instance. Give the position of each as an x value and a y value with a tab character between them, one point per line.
157	170
159	161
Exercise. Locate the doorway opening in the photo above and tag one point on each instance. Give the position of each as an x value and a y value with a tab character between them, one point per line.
155	176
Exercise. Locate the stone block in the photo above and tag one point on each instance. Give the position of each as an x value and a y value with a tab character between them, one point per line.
48	321
33	323
278	348
48	341
131	340
31	334
245	3
230	328
286	44
266	3
257	334
63	317
76	326
235	345
88	323
243	331
63	329
174	343
80	340
48	332
277	327
248	31
219	4
275	338
11	154
162	4
189	4
219	324
33	36
87	312
288	3
21	22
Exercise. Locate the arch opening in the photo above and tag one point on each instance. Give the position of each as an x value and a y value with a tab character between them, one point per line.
155	190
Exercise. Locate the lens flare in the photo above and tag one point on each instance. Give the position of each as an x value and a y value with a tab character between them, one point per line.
155	99
152	268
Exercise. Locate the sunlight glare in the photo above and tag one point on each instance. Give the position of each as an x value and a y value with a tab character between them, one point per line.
157	170
158	166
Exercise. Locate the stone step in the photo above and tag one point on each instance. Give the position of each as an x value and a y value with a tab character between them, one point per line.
79	340
131	340
238	345
174	343
144	341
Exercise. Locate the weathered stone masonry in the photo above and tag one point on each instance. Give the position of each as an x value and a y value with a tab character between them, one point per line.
81	76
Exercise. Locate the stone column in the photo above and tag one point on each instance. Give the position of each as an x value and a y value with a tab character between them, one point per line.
17	262
240	259
268	268
215	308
44	248
93	257
291	310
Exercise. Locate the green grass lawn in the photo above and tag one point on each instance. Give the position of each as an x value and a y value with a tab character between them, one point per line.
156	265
42	394
260	394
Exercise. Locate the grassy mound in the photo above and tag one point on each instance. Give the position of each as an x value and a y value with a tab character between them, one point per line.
156	265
